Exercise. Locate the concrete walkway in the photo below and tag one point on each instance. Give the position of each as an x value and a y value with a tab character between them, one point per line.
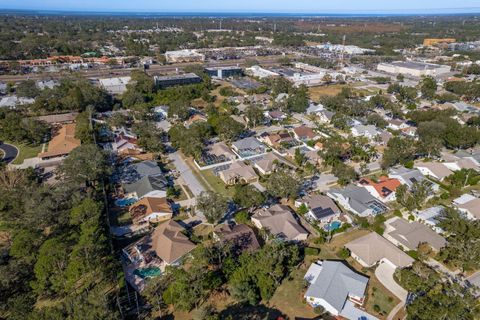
188	177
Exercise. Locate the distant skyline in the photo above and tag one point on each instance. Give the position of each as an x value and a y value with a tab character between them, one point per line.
252	6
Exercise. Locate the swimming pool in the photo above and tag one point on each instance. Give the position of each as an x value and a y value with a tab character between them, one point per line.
332	226
149	272
125	202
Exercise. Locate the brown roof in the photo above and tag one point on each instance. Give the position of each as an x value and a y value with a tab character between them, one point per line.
373	247
63	143
304	132
169	243
472	206
148	205
58	118
279	220
240	234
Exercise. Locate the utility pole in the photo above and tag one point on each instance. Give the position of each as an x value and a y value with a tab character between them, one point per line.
342	53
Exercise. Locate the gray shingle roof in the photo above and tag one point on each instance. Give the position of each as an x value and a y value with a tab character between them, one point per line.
146	185
335	282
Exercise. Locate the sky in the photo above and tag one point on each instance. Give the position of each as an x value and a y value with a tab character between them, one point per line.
252	6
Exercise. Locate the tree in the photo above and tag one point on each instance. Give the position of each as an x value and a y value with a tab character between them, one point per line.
344	173
299	157
464	177
428	87
247	196
282	184
149	137
85	165
399	151
212	205
27	89
463	247
254	116
84	129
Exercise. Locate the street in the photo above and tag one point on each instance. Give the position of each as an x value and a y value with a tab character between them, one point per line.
186	173
10	152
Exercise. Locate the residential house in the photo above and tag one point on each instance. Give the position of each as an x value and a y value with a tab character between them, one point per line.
373	248
314	108
238	172
148	186
397	124
268	163
62	143
150	209
357	200
368	131
304	133
221	151
166	246
249	147
320	208
383	189
62	118
469	205
123	144
410	235
433	169
136	171
280	222
430	217
463	163
337	288
275	115
325	116
276	139
194	119
410	177
239	235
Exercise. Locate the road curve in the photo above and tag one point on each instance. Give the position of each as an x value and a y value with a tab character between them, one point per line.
10	152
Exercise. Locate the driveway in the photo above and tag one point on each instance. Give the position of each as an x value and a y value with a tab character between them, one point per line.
10	152
384	274
186	173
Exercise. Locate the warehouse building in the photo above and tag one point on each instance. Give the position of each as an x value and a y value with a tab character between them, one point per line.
414	68
176	80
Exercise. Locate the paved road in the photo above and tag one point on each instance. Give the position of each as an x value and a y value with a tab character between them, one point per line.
10	152
190	180
154	70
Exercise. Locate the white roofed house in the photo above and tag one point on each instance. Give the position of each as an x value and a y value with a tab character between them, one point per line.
469	205
368	131
115	86
434	169
410	177
337	288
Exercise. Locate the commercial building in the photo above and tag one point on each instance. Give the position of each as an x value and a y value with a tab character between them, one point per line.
115	85
184	56
224	72
261	73
431	42
413	68
177	79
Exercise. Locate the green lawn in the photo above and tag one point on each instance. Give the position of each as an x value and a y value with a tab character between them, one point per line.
25	151
217	184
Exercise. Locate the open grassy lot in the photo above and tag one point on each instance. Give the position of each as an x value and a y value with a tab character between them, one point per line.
329	90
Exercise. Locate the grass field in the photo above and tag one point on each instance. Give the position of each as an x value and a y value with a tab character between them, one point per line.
329	90
216	183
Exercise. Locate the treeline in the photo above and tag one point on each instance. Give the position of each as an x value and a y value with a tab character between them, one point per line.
56	261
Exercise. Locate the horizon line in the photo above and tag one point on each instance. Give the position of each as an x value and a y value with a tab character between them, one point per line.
391	12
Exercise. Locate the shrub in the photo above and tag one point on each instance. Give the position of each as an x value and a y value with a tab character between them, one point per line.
319	310
377	308
413	254
343	253
397	213
242	217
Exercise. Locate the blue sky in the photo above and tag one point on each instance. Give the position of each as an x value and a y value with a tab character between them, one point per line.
284	6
